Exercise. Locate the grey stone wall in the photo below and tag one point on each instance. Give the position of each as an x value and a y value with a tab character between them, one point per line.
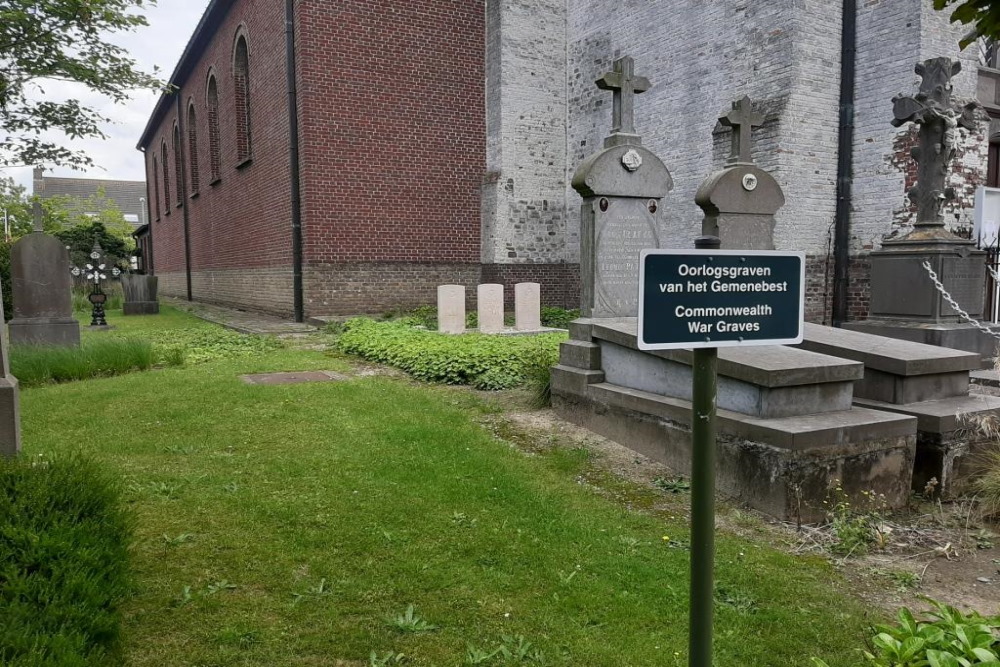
523	202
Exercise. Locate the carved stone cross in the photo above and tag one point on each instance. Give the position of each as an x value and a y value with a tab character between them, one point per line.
937	116
742	119
626	85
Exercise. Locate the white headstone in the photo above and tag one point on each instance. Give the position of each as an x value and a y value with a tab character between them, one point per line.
451	309
527	307
489	300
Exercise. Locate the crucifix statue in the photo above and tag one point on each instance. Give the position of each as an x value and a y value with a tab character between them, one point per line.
938	118
742	119
625	85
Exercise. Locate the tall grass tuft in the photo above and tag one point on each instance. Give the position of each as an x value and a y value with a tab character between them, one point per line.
987	484
64	539
36	365
112	289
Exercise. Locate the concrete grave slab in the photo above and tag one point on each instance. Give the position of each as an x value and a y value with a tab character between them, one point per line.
293	377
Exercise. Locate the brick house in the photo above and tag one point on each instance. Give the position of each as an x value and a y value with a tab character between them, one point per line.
375	149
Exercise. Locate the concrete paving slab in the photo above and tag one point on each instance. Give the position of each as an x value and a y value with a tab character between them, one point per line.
243	321
294	377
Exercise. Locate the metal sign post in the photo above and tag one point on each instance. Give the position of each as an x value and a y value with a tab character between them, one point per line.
706	299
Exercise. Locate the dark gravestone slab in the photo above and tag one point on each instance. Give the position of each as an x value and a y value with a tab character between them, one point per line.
41	283
297	377
140	294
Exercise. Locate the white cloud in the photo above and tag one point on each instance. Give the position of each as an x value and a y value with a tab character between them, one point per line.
160	44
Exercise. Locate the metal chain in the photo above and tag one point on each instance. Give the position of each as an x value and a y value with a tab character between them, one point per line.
993	272
954	304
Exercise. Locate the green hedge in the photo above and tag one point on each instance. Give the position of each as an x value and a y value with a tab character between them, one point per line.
483	361
64	539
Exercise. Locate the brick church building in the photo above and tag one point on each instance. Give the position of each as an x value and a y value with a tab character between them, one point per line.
328	158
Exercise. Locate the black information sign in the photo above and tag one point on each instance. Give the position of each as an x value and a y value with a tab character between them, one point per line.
720	298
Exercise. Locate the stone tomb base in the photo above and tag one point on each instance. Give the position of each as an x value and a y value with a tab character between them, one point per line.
44	331
140	307
787	429
957	335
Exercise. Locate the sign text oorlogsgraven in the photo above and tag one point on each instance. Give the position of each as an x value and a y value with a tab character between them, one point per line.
720	298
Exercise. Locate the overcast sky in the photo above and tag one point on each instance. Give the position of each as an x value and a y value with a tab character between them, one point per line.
160	44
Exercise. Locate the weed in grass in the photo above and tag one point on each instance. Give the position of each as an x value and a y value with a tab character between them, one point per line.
389	658
231	487
904	579
409	622
479	656
184	598
672	484
244	639
737	600
566	577
219	586
517	649
460	519
320	590
856	528
180	449
183	538
163	490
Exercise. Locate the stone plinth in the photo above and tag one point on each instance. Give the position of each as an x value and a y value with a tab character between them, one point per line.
926	382
787	427
10	401
41	284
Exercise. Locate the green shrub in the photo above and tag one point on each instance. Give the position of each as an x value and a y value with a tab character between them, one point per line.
558	318
485	362
946	638
64	539
35	365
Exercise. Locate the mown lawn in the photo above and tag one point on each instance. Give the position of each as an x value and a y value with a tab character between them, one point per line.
285	525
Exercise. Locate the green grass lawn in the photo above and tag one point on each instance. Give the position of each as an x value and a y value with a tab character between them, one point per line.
286	525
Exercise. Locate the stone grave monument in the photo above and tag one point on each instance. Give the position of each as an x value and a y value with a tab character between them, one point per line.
451	309
621	214
904	300
10	402
786	421
489	305
42	290
140	294
527	306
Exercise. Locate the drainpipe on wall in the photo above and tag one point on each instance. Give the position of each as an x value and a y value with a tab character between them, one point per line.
293	157
181	190
845	164
148	266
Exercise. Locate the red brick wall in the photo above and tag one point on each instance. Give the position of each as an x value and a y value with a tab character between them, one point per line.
819	288
392	127
242	221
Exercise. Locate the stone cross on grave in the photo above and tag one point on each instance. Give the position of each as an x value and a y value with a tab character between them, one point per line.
938	118
742	119
625	85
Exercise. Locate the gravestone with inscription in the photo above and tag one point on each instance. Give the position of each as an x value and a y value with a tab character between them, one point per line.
740	200
905	302
622	187
42	290
10	401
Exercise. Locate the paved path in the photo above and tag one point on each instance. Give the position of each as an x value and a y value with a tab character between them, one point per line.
240	320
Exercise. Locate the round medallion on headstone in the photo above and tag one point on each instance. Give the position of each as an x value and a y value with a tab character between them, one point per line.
651	205
749	182
631	160
603	203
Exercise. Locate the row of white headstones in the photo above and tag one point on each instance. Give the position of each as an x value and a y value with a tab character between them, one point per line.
489	304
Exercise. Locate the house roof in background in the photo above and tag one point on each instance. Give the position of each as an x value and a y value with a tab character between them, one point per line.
128	195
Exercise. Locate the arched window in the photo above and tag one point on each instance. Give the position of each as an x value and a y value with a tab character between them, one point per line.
192	132
214	147
178	167
165	164
241	94
156	187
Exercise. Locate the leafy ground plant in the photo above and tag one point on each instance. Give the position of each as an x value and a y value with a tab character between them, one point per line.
945	638
485	362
